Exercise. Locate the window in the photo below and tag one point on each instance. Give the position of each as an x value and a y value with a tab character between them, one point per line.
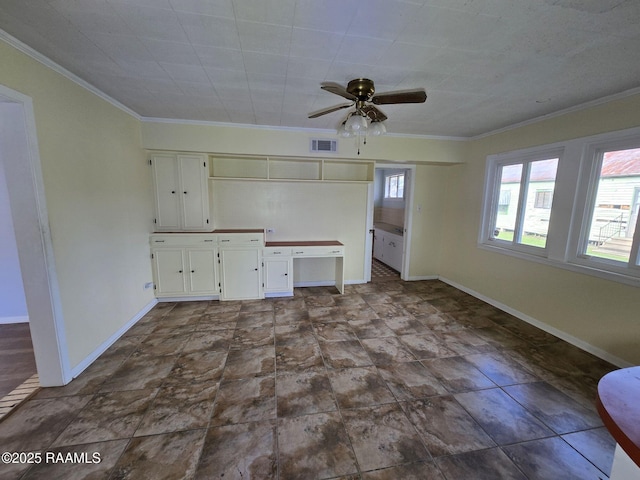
610	219
394	186
543	199
573	204
504	201
520	214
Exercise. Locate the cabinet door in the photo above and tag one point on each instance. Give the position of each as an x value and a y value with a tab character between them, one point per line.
240	274
194	192
202	273
169	271
166	188
378	244
393	251
277	275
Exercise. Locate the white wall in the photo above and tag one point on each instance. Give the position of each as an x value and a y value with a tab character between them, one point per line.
98	193
600	314
13	305
299	211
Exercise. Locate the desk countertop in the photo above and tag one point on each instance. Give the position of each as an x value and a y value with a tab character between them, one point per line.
305	243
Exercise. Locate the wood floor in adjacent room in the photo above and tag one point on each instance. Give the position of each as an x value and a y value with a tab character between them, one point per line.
393	380
17	362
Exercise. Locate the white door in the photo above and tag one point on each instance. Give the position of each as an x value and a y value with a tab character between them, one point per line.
167	188
202	273
240	274
193	192
169	268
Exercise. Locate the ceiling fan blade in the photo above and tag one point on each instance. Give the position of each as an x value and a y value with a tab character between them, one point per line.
374	113
417	95
324	111
337	89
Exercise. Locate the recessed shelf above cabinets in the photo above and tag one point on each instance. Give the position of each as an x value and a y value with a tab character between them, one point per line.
290	169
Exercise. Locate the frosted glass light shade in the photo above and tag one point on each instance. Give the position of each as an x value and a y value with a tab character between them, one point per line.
344	133
356	123
377	129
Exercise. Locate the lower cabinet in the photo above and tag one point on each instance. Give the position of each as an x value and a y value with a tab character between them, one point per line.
184	271
240	273
278	272
388	248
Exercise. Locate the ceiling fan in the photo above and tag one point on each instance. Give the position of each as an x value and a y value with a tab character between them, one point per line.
362	95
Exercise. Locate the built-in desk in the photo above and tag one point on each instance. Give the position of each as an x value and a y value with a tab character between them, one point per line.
311	249
619	407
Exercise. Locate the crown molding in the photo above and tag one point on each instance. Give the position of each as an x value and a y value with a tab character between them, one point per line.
47	62
576	108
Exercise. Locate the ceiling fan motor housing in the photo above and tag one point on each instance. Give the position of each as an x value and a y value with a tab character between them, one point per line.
361	88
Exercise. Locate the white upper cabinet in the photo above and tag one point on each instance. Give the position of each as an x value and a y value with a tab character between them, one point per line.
181	192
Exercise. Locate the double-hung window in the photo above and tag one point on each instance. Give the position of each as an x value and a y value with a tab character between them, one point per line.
609	236
518	201
394	186
573	204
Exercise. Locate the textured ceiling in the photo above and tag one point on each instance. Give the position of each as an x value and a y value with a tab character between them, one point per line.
486	64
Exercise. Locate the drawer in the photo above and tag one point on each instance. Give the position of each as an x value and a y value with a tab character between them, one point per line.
256	239
320	251
276	252
182	240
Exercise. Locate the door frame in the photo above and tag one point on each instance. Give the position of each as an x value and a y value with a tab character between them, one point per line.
20	159
408	219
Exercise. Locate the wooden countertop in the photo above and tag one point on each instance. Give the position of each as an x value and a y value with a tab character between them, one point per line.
227	230
618	404
387	227
306	243
239	230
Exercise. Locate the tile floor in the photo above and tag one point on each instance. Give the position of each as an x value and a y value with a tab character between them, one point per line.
392	380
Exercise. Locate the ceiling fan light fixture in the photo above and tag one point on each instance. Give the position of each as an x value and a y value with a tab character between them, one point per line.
377	128
356	123
343	132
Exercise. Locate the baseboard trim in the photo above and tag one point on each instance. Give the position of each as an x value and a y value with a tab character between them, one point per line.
78	369
581	344
8	320
329	283
423	277
204	298
278	294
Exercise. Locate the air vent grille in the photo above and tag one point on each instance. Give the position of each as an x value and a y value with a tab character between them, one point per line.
320	145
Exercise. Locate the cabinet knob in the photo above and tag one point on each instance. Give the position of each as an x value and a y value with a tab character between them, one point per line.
185	193
179	271
256	269
173	191
193	271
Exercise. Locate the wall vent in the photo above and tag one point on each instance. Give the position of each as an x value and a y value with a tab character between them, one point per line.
320	145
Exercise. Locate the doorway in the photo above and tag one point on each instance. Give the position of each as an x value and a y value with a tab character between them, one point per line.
20	160
17	362
390	217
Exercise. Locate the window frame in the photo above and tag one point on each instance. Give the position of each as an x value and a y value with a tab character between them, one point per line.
542	195
587	196
491	205
387	181
569	217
